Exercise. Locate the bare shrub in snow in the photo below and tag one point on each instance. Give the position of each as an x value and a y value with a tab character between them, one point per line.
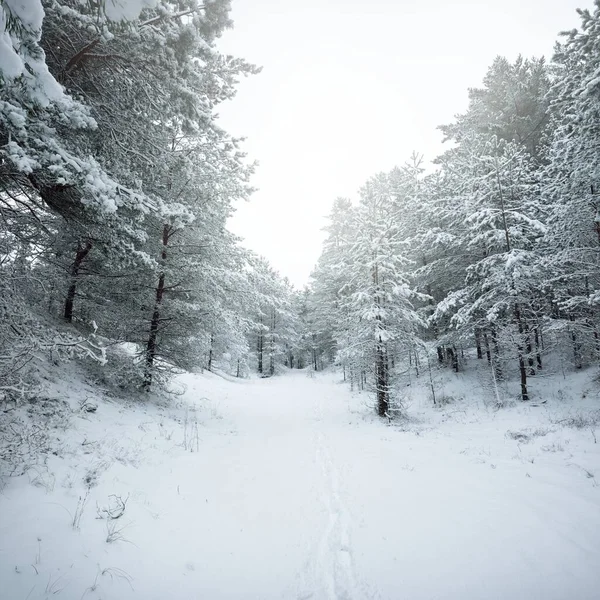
21	444
27	339
115	508
581	420
113	573
40	476
114	532
554	447
122	372
526	435
79	509
31	432
55	585
191	440
444	399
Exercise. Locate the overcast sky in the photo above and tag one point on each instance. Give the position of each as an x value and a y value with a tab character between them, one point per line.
350	88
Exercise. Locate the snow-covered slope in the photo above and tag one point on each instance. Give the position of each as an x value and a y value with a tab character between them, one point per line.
289	488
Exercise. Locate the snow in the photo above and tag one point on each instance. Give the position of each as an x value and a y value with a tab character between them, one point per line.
291	488
11	64
15	57
30	13
126	10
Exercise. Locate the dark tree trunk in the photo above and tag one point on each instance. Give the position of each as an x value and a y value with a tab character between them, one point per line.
522	368
272	346
529	348
260	346
498	374
523	372
538	355
417	364
478	342
590	321
486	343
452	358
576	350
577	359
382	381
152	345
210	352
440	355
260	353
440	349
83	250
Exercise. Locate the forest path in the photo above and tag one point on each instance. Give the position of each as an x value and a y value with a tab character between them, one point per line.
290	488
310	496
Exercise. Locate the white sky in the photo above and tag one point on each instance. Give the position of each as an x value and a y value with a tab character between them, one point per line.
350	88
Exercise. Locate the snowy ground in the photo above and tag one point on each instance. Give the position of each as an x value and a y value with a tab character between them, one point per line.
289	488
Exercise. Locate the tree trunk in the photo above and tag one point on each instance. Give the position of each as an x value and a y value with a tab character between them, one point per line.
497	368
210	352
440	349
382	381
478	342
538	356
83	250
440	355
488	353
529	348
152	346
452	357
522	368
576	350
272	345
260	353
259	347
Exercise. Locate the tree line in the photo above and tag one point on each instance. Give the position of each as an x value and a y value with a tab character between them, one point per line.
116	183
494	252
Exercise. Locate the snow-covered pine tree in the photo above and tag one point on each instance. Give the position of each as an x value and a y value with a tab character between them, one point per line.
273	311
147	78
382	320
571	186
325	303
502	227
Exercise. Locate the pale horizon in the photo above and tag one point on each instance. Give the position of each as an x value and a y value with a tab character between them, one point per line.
348	91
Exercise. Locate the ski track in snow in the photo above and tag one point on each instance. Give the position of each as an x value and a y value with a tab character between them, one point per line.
331	565
335	552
